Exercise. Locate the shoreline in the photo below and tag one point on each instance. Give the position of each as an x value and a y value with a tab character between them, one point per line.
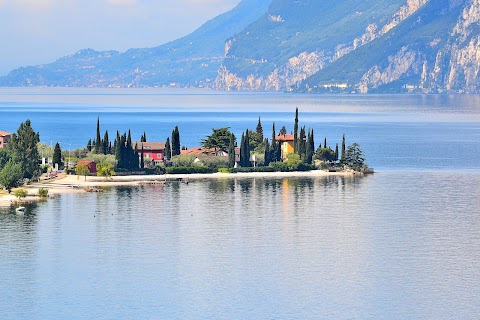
68	184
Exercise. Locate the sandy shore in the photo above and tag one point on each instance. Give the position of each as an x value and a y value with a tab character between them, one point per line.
75	184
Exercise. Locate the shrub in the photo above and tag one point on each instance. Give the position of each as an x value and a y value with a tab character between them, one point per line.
20	193
279	166
43	192
188	170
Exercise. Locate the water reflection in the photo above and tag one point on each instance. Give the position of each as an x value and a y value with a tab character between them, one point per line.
309	248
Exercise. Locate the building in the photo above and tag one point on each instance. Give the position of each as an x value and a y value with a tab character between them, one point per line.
155	151
92	166
286	144
4	138
203	151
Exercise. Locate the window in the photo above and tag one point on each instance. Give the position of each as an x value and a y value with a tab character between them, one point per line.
160	156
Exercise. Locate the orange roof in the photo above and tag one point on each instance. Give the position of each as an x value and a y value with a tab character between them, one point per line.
196	151
285	137
4	133
85	162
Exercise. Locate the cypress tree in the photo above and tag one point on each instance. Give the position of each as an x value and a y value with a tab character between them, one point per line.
98	140
242	150
295	133
259	130
312	142
168	150
343	148
105	143
302	144
247	149
325	143
142	159
129	152
118	150
144	137
57	155
175	142
231	152
135	159
336	152
89	145
123	150
309	149
267	153
110	149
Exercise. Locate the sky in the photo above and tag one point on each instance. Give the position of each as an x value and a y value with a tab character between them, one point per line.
35	32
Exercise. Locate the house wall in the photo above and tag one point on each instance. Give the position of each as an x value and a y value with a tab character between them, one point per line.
287	147
155	155
3	141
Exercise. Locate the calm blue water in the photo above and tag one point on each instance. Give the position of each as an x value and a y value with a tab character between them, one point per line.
401	244
396	132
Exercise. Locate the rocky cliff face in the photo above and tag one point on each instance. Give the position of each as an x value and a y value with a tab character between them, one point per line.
427	46
298	68
437	51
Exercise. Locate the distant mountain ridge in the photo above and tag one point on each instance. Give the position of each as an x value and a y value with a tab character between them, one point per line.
368	46
192	60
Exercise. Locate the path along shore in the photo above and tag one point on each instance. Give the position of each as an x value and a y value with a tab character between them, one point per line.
77	184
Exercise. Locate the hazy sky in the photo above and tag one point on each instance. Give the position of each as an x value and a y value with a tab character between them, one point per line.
40	31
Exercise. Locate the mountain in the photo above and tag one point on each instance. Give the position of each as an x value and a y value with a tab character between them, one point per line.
435	50
427	46
364	46
191	60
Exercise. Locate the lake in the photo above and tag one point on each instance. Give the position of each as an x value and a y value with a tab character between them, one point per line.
403	243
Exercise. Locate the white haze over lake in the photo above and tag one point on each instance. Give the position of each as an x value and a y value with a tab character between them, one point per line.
35	32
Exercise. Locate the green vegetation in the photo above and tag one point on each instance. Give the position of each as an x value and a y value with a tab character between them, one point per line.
188	170
11	176
175	142
105	170
21	193
22	150
57	155
218	140
82	170
43	192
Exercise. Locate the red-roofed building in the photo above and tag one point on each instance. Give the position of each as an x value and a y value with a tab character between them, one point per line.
151	150
92	166
286	143
203	151
4	138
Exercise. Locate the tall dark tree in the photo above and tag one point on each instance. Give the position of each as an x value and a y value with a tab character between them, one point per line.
312	142
57	155
325	143
175	142
22	150
336	152
309	149
98	139
302	144
259	130
142	159
231	151
89	145
135	159
218	140
129	157
283	131
118	150
267	153
354	157
144	137
295	133
168	150
105	143
273	147
245	151
343	148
